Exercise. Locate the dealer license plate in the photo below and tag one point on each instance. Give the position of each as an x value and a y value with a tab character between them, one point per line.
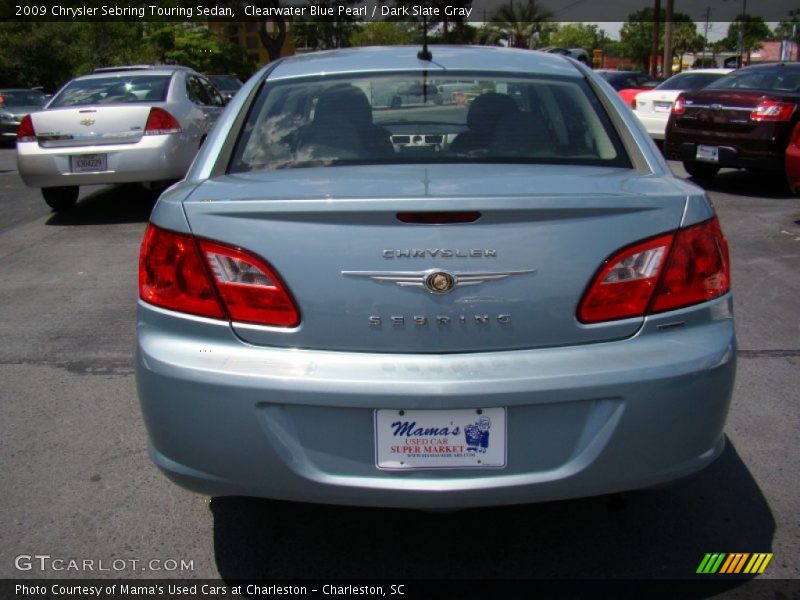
440	439
663	107
89	163
710	153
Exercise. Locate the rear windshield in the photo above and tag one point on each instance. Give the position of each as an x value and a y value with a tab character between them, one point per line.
689	81
22	98
117	89
777	79
417	118
225	82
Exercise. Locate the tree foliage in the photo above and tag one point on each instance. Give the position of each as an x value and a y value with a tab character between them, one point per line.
579	35
50	54
754	31
520	25
636	34
385	33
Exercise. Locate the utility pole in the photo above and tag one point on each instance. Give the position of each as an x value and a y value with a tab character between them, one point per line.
793	13
666	64
654	44
741	32
705	34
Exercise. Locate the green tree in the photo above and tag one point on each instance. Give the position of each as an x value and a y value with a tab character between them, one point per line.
384	33
579	35
685	39
636	34
520	25
196	47
753	31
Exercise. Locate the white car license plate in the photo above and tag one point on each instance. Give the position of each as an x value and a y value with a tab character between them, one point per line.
710	153
663	107
89	163
440	439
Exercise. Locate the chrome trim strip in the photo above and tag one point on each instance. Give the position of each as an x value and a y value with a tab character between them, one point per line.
417	279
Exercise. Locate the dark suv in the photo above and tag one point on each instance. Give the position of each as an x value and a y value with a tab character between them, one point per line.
744	120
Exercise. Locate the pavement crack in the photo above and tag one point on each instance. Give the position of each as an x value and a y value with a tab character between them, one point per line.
768	353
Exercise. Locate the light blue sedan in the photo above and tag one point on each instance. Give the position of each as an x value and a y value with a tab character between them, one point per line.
501	296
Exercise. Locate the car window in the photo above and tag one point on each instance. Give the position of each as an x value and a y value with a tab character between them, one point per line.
196	91
213	95
118	89
22	98
779	79
225	82
113	90
412	118
689	81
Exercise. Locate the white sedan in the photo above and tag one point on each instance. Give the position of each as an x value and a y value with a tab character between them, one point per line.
138	124
653	107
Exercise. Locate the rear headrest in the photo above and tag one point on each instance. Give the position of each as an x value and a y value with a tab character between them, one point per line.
486	110
343	102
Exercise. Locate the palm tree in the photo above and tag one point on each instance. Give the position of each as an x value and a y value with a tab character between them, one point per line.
519	24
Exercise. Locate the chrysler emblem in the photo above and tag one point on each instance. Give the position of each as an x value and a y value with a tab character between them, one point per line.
436	281
87	122
439	282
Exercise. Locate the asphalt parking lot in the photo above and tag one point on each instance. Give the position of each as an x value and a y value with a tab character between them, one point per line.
77	482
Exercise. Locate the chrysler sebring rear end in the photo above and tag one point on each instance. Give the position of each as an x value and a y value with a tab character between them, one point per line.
530	307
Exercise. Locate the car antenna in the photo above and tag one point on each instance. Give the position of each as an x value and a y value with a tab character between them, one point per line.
424	54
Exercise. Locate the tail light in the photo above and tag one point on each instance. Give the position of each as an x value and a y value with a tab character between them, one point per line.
25	131
160	122
772	110
249	288
664	273
679	106
210	279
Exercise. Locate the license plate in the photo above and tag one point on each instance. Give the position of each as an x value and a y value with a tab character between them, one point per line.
663	107
89	163
710	153
440	439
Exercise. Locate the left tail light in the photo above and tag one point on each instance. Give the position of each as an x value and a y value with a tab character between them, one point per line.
25	131
210	279
679	106
670	271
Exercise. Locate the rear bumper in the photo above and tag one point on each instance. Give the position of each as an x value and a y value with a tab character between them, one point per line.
227	418
152	158
731	157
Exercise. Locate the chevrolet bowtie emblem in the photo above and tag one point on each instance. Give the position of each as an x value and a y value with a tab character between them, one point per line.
436	281
87	122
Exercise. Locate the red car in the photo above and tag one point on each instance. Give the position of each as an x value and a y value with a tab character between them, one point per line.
629	83
744	120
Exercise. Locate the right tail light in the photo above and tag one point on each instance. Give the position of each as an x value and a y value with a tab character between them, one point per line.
664	273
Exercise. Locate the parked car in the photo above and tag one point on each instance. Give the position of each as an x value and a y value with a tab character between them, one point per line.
629	83
653	107
744	120
534	309
15	103
119	125
578	54
227	85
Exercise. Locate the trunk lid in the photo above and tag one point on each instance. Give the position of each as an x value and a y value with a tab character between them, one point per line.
90	125
723	110
334	237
